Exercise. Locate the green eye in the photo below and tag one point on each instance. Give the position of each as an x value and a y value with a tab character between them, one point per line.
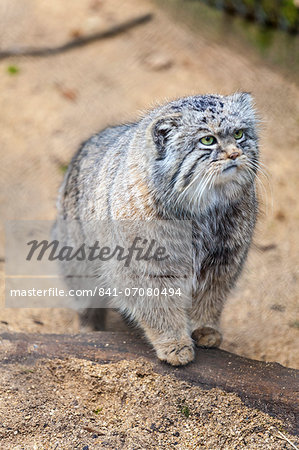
238	134
208	140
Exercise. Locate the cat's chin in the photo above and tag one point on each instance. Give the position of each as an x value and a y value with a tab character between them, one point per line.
230	170
222	193
230	173
233	178
211	198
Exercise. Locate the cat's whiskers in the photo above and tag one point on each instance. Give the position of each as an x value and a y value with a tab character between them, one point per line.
260	171
252	167
183	194
197	189
205	184
208	181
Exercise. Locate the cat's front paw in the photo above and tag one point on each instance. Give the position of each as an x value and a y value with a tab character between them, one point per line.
207	337
176	353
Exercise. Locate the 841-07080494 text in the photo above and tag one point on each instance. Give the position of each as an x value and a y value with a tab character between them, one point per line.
109	292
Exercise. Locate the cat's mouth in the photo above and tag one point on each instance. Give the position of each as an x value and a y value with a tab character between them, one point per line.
232	166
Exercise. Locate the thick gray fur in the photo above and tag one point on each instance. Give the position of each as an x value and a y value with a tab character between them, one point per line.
158	169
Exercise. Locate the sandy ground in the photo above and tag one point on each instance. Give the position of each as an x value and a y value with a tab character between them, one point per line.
54	103
76	404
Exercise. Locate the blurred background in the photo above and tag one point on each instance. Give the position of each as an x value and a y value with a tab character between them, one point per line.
50	103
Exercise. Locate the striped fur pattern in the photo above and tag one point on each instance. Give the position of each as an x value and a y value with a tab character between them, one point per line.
159	168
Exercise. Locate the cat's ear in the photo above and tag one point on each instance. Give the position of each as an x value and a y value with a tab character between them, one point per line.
245	98
162	130
246	108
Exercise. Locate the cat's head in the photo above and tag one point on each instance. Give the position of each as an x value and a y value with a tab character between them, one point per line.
206	148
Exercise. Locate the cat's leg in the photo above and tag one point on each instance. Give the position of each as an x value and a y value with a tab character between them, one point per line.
175	348
92	309
166	327
93	319
204	318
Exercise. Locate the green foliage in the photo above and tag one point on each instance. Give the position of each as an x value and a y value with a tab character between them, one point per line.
185	411
208	18
264	38
290	12
250	3
63	168
13	70
183	408
27	370
98	410
278	13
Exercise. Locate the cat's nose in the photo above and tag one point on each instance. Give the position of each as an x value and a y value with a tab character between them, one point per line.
234	155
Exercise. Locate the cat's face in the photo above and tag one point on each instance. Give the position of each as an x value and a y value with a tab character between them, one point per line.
207	148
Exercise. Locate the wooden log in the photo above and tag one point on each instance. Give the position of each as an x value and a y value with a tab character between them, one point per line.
269	387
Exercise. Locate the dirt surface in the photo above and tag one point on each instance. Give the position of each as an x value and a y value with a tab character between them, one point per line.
269	387
79	404
49	105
